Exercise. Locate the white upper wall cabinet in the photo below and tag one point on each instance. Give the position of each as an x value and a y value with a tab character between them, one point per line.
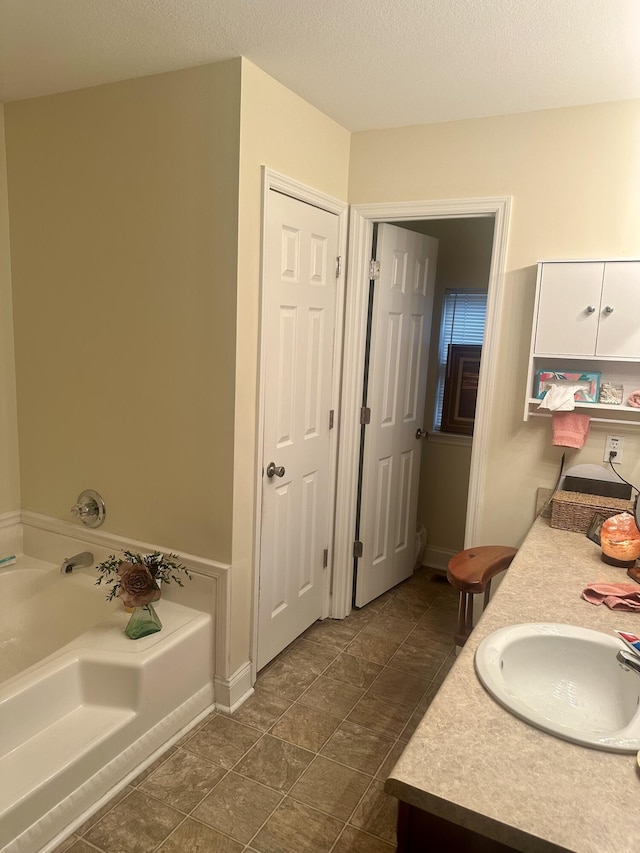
587	320
589	309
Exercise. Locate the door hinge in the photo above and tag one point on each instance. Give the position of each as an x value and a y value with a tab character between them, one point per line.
365	416
358	548
325	558
374	270
331	414
338	266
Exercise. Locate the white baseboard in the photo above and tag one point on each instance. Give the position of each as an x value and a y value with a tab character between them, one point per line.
437	558
230	693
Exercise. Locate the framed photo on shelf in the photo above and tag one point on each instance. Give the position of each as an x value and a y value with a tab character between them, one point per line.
589	384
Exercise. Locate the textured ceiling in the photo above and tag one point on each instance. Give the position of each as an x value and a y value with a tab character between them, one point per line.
366	63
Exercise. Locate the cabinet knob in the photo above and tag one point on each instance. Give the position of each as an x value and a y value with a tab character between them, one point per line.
608	310
589	309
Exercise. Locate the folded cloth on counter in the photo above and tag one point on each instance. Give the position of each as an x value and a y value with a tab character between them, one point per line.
570	429
617	596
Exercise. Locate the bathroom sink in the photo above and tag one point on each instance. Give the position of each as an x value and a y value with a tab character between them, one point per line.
564	680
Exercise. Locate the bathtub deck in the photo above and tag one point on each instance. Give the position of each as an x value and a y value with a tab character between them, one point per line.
73	725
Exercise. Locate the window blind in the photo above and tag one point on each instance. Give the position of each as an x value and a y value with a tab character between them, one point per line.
463	318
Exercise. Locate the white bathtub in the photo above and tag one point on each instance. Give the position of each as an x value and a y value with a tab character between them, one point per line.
81	705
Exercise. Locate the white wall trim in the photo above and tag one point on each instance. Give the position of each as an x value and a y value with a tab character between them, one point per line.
362	220
7	519
230	693
113	542
274	181
436	558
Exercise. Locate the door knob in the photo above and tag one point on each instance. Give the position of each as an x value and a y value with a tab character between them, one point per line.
589	309
421	433
608	310
274	470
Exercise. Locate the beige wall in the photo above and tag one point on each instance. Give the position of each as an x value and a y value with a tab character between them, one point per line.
123	203
573	175
9	470
281	131
464	259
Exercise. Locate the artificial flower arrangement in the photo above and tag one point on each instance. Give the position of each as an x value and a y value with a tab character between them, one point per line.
136	579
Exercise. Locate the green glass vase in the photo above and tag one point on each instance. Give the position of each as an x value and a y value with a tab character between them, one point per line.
144	621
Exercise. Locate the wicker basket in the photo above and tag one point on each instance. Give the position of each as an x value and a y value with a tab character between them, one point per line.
575	510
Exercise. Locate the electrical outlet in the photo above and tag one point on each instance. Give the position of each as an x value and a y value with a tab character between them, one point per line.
615	444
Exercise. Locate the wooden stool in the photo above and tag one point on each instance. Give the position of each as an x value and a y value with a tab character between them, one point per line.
470	572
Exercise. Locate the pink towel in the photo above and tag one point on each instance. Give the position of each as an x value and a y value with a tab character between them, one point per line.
570	429
617	596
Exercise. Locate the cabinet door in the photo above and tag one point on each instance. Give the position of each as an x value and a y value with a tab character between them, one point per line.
619	326
569	308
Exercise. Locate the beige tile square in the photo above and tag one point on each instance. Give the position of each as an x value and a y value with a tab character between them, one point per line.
183	780
357	747
296	828
194	729
223	741
377	814
305	727
336	634
273	762
261	710
416	662
404	610
137	824
380	715
373	647
354	671
194	837
431	640
330	787
296	669
81	830
152	767
389	626
398	686
331	697
355	841
237	807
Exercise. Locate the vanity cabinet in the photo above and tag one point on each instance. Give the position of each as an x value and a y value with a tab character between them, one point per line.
587	320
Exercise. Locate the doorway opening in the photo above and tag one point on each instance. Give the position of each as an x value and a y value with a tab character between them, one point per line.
363	220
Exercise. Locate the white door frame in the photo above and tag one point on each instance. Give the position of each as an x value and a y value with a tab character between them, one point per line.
274	181
362	219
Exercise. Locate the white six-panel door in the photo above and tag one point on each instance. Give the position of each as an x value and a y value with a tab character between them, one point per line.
299	303
400	331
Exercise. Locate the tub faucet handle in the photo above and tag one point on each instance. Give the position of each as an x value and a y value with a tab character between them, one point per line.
89	508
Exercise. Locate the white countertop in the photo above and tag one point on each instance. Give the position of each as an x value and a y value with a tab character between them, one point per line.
472	762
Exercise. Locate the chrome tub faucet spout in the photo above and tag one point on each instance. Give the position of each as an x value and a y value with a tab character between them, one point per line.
78	561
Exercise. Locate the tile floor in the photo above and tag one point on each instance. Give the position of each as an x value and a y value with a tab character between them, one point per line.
300	767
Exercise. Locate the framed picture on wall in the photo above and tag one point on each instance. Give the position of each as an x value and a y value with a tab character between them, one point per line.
461	388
